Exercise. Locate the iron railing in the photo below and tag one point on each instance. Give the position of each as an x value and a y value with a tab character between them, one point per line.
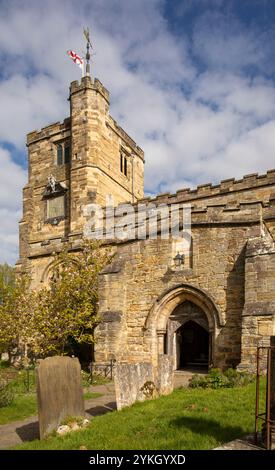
268	423
104	369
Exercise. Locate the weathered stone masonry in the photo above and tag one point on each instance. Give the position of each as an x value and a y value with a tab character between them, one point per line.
96	145
138	298
224	292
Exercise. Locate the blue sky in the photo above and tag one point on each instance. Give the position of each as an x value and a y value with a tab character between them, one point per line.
192	81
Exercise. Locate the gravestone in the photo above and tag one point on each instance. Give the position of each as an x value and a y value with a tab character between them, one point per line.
130	380
138	381
165	378
59	392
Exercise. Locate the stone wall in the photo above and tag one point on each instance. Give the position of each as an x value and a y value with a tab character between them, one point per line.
258	318
135	284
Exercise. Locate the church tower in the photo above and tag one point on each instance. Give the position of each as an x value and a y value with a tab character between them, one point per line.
82	160
105	160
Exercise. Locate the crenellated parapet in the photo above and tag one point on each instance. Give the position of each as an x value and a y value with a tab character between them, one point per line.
249	183
112	124
49	131
87	83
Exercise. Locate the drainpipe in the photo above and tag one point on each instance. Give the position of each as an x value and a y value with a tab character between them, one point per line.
133	178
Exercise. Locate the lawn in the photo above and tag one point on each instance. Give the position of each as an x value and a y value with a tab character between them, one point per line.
24	404
187	419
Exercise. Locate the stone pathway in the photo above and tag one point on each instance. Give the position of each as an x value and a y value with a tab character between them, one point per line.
15	433
247	443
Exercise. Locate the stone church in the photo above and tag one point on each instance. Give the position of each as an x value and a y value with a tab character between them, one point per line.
211	307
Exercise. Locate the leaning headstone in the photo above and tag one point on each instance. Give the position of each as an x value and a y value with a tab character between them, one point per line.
165	380
59	392
133	382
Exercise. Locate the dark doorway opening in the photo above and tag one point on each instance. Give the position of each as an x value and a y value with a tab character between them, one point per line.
192	346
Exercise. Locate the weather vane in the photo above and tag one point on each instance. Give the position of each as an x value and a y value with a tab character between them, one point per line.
89	45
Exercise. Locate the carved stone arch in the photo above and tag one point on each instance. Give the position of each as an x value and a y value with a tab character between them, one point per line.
170	299
158	318
201	320
46	273
50	267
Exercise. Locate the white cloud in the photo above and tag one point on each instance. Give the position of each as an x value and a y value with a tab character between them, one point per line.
12	179
196	124
28	104
222	41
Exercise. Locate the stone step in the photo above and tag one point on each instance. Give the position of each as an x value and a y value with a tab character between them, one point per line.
183	377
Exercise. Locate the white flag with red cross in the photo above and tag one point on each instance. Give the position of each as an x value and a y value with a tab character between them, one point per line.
76	59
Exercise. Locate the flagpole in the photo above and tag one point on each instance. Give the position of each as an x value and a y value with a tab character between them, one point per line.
88	56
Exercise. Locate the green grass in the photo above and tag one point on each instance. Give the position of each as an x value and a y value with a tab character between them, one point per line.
87	380
22	407
25	405
186	419
89	395
23	385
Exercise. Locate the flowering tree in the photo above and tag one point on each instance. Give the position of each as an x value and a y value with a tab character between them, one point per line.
68	307
7	280
42	322
16	318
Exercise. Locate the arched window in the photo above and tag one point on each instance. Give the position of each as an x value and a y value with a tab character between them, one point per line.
63	153
59	155
123	163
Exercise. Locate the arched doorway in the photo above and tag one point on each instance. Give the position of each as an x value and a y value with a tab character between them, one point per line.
188	336
165	318
192	346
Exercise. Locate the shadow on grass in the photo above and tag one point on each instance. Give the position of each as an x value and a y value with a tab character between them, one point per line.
209	427
102	410
28	432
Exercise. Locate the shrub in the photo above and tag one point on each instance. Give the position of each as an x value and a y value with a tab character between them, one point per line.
198	381
237	379
86	378
217	379
6	393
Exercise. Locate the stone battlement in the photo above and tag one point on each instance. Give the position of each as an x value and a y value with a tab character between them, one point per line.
252	181
49	131
88	83
124	136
